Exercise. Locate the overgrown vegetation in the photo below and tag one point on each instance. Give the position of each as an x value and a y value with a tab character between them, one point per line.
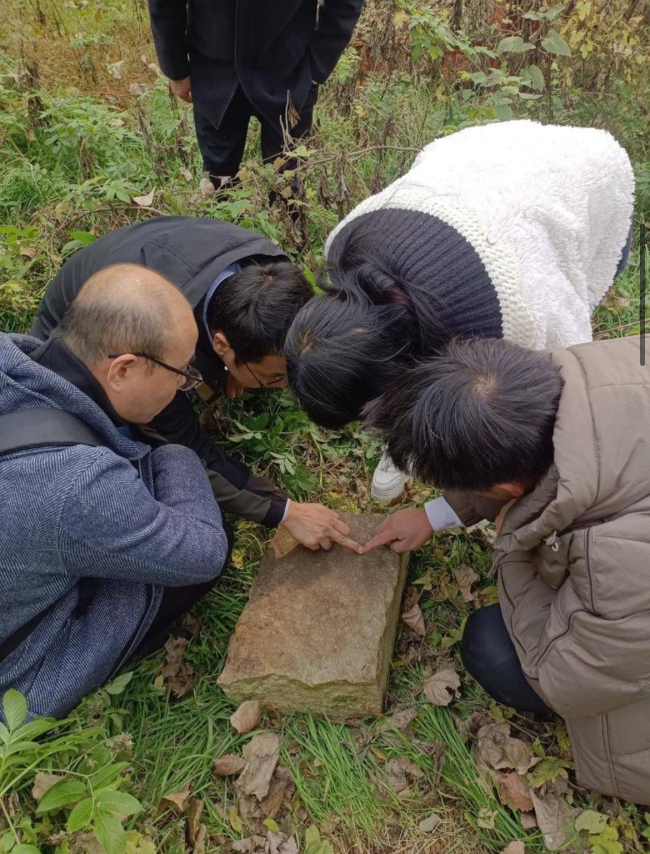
91	141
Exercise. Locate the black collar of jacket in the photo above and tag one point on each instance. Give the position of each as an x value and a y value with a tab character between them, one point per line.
55	356
212	369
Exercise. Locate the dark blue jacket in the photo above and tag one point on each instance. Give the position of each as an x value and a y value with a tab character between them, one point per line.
272	48
119	522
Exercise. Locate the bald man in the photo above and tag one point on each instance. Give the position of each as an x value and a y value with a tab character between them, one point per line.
104	541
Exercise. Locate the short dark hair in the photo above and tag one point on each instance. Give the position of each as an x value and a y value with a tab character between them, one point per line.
255	307
348	345
480	414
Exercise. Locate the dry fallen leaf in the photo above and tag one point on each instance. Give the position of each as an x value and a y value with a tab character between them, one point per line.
87	842
228	764
289	846
186	174
116	69
407	766
465	577
200	840
247	717
429	824
275	842
177	799
486	818
144	201
395	776
194	827
515	847
440	688
261	755
520	756
248	846
498	749
553	818
192	624
175	674
282	543
414	620
206	187
402	720
43	782
528	821
273	801
490	741
137	89
246	807
514	791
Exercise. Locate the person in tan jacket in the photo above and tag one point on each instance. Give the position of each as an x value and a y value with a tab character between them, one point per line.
563	439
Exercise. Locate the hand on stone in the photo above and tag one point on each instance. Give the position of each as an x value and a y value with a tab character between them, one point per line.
182	89
404	531
317	527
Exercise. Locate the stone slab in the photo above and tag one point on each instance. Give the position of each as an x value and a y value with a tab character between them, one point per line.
318	632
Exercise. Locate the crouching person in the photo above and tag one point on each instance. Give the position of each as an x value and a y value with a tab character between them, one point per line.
563	439
104	541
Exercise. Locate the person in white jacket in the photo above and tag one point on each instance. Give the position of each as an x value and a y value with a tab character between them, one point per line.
511	230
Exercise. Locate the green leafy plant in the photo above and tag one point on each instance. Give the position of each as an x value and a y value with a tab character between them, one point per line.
314	844
85	786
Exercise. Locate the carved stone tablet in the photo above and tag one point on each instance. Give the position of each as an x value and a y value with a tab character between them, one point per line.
318	631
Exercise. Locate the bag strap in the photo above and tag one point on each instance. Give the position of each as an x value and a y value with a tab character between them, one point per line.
33	428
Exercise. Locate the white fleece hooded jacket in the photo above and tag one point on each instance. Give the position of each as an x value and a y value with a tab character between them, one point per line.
547	208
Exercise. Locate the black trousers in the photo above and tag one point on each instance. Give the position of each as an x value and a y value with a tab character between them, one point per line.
175	603
222	147
491	658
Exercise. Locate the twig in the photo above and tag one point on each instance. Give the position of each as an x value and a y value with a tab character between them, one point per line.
366	151
81	214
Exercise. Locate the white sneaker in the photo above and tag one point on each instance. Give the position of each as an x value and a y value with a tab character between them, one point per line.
388	482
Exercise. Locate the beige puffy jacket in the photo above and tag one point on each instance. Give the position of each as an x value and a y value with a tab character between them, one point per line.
573	560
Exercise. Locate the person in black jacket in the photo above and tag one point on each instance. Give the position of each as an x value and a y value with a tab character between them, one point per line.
234	59
245	294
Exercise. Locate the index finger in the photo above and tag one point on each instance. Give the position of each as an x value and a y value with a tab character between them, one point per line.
340	526
383	525
346	542
383	539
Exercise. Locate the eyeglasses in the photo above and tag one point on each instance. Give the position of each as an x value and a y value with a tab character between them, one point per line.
192	376
261	384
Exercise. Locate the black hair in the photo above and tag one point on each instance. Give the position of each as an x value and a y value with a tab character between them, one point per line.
255	307
480	414
348	344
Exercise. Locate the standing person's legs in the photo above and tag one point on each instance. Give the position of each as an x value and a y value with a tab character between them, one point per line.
222	147
491	658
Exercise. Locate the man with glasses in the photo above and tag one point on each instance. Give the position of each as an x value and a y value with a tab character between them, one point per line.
245	294
104	541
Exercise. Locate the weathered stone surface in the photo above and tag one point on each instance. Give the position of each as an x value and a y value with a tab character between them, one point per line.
318	631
